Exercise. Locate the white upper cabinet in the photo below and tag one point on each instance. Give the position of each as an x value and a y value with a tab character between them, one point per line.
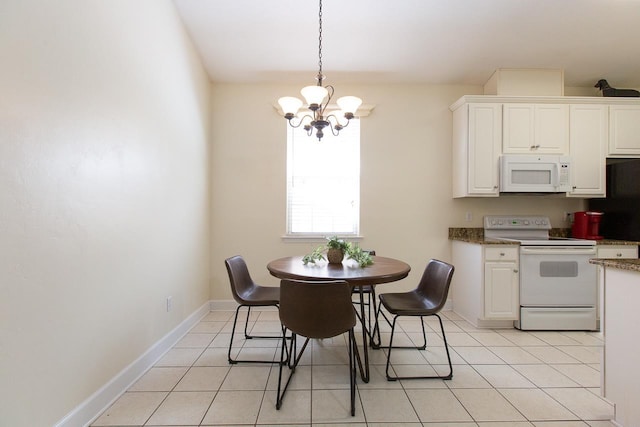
477	139
624	130
535	128
588	129
588	137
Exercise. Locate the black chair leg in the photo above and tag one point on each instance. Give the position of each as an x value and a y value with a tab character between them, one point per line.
233	331
393	328
446	346
292	360
282	363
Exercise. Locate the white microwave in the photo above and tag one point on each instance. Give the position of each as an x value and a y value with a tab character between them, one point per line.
535	174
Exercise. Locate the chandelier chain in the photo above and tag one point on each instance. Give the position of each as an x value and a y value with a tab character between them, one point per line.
320	76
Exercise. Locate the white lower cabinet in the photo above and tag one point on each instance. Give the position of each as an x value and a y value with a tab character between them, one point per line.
485	286
617	251
501	283
610	252
621	376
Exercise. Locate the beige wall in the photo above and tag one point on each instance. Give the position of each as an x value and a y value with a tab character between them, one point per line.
104	195
406	204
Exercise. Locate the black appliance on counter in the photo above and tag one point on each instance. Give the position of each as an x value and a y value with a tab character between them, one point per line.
621	208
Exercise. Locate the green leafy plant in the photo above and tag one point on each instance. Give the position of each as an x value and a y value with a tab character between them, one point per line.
352	251
363	258
316	255
335	243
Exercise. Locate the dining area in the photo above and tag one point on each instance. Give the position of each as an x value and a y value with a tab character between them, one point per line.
327	299
341	344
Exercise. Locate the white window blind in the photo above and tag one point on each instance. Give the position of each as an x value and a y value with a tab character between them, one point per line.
323	182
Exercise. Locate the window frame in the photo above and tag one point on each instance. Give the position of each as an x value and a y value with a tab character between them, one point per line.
299	136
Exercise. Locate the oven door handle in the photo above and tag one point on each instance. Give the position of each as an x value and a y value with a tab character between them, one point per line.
555	250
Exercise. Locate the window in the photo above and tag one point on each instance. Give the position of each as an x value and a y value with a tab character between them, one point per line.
323	182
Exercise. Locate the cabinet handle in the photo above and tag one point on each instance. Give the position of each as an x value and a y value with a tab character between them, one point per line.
515	270
501	253
618	254
574	187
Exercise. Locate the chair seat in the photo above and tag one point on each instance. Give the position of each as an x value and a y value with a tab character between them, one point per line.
408	304
262	295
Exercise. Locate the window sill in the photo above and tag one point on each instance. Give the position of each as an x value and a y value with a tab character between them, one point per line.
315	238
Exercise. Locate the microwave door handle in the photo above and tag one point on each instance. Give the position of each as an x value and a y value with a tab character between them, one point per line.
556	176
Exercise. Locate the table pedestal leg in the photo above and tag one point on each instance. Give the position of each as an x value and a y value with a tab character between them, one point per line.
364	370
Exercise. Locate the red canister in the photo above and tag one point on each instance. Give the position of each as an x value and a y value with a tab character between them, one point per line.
580	225
593	225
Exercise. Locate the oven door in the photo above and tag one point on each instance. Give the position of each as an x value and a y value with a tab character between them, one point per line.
558	276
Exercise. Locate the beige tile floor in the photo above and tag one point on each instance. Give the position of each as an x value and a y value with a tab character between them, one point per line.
502	378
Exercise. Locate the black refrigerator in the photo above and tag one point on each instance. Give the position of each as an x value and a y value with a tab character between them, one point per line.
621	208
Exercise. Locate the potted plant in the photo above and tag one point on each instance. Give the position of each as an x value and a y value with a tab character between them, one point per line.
336	249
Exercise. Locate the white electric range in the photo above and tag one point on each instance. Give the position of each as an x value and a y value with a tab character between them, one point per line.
558	285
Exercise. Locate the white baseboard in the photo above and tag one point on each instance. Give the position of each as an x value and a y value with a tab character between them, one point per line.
95	404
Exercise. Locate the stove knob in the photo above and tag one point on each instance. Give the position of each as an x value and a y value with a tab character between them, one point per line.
526	222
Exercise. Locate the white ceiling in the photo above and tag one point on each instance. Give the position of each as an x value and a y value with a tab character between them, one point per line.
417	41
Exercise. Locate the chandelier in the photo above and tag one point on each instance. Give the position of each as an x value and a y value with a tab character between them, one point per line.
316	103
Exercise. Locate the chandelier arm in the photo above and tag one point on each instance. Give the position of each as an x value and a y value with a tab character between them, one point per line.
335	131
300	120
338	125
330	91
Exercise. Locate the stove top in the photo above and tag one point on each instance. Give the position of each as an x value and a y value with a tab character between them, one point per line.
529	230
549	241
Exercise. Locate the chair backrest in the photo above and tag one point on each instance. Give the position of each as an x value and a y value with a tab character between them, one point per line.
435	282
241	282
316	309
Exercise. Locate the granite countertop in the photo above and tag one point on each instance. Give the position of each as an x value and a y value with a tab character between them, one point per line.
476	235
622	264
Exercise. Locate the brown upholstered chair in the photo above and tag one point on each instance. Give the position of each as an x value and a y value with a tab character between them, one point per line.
248	294
426	300
315	310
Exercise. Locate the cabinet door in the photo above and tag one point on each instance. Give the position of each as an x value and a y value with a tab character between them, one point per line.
624	130
501	300
518	128
588	136
551	128
484	149
536	128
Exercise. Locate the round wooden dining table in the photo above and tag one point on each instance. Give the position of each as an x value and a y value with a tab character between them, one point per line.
383	270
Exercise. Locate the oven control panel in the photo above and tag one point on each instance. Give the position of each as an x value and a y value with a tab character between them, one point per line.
516	222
